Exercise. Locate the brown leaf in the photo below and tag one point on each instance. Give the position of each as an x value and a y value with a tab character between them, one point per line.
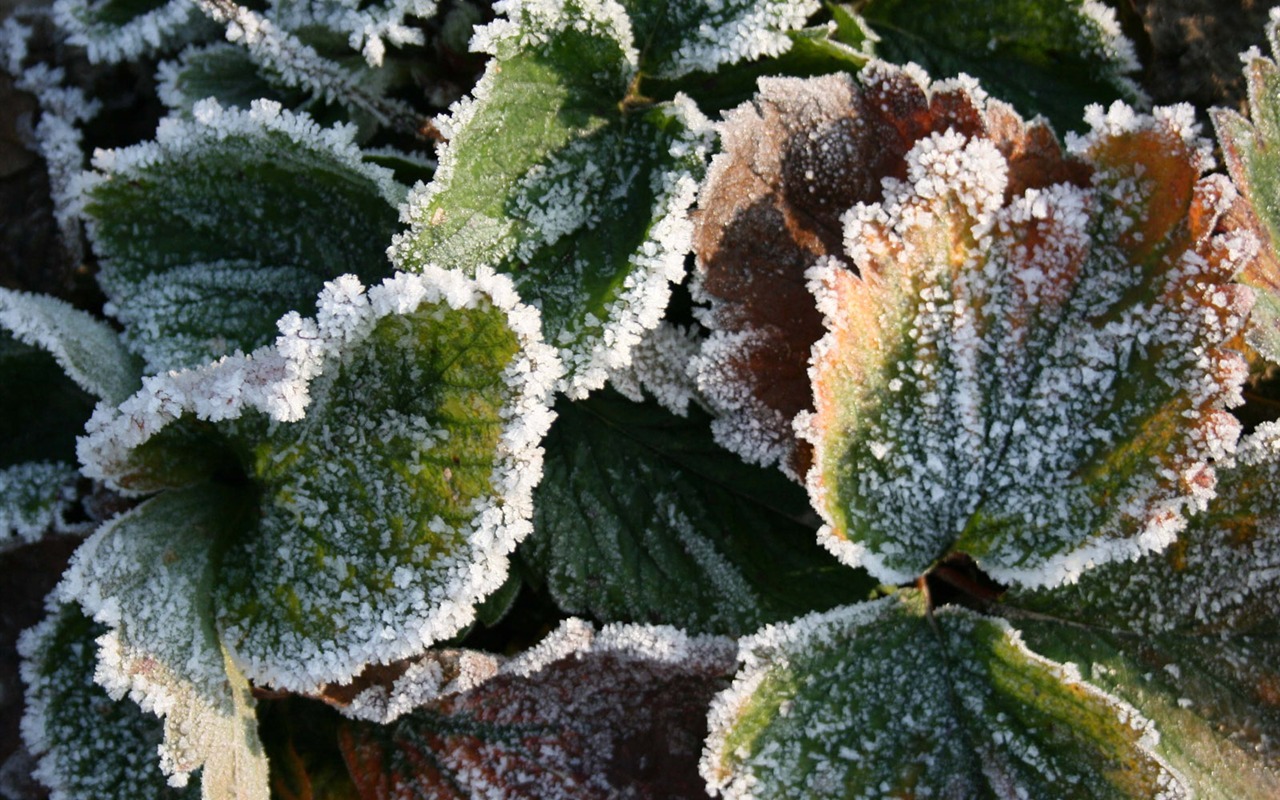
623	717
794	160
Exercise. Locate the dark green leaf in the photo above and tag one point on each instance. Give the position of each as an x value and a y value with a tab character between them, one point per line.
640	516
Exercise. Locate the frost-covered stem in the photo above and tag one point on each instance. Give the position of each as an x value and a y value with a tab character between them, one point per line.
300	65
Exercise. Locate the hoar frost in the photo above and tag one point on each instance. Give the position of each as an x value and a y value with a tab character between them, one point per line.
1036	378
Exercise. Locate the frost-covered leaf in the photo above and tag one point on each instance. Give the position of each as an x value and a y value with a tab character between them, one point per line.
793	161
222	71
642	518
843	43
89	352
369	26
618	713
123	30
1190	636
88	744
388	512
35	497
391	445
1251	148
234	77
226	222
1035	379
550	176
1050	57
147	575
659	368
676	37
879	700
54	362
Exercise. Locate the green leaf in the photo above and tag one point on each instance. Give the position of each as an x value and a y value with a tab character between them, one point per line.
883	699
1251	148
225	223
147	575
87	350
224	72
1035	378
1051	58
123	30
1189	636
387	513
618	713
237	76
640	517
35	497
56	360
368	26
88	743
553	175
843	45
676	38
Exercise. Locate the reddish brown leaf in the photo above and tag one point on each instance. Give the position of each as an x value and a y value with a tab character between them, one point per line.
795	159
618	714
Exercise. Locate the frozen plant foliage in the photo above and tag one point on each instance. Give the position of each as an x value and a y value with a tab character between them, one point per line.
1035	378
1014	46
370	26
296	64
1249	147
115	757
112	32
826	706
582	202
994	366
200	261
681	38
793	160
686	531
145	575
57	135
88	351
36	498
55	359
390	503
557	722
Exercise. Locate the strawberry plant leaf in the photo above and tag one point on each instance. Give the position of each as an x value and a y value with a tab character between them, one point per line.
1189	636
391	445
793	161
369	26
640	517
401	492
551	176
881	699
224	72
36	497
122	30
88	351
1049	57
146	575
994	383
56	360
678	38
213	231
1249	146
88	743
621	712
